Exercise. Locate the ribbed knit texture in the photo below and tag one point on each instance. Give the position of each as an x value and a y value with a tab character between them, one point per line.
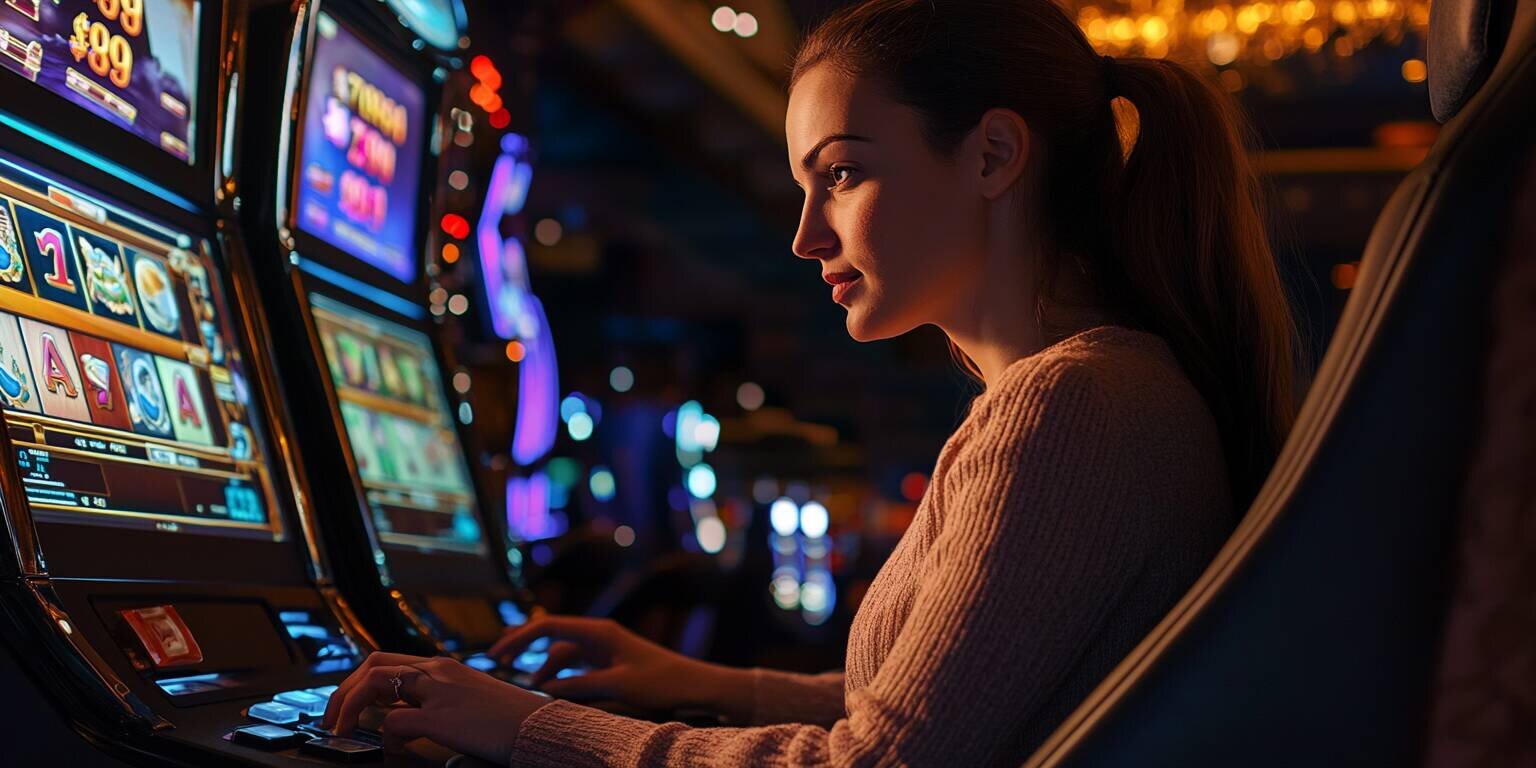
1080	497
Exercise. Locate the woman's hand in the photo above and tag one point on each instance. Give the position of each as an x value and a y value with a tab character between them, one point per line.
451	704
626	668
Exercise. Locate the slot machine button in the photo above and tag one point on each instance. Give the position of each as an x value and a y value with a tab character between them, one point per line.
304	701
274	712
323	691
268	737
342	750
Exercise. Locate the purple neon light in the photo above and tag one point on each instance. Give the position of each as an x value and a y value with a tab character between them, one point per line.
538	393
503	268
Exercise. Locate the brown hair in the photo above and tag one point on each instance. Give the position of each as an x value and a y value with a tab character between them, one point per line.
1170	236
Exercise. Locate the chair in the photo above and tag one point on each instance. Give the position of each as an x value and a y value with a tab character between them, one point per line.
1314	636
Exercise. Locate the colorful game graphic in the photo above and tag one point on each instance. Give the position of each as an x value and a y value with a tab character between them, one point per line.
103	385
16	388
147	410
153	282
106	276
184	401
403	441
132	62
361	156
54	270
117	414
13	262
55	370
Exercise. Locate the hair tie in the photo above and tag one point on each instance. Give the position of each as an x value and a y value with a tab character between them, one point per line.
1110	73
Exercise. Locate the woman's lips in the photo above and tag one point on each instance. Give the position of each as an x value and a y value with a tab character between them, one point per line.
841	287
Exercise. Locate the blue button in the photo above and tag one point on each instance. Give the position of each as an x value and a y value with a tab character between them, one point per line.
303	701
323	691
481	662
274	712
530	661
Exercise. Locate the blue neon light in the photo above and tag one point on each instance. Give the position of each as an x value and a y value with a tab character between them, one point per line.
351	284
92	158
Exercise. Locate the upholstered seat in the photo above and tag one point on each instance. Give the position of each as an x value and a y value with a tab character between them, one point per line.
1314	637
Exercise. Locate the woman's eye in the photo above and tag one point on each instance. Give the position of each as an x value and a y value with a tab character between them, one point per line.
838	174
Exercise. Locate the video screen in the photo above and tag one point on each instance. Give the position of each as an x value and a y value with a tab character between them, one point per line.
133	62
361	155
403	441
123	382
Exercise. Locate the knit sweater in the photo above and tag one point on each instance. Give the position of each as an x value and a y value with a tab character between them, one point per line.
1082	494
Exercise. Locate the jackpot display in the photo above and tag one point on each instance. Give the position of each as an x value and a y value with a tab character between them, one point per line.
133	62
123	384
403	441
360	162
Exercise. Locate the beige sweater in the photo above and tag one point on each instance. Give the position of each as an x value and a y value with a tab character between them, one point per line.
1080	497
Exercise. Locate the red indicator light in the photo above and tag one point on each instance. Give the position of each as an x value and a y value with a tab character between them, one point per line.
456	226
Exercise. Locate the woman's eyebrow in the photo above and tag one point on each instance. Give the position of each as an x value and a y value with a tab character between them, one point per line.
809	161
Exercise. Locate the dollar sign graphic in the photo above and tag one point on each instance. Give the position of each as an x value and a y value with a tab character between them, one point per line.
78	43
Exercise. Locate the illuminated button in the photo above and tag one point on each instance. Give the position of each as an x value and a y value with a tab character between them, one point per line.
530	661
323	691
303	701
268	737
274	712
481	662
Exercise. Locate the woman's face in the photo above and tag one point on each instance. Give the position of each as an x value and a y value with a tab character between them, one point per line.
897	227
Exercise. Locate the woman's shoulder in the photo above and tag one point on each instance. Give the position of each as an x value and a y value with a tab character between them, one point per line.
1120	377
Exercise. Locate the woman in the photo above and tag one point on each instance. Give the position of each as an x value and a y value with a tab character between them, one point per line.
963	167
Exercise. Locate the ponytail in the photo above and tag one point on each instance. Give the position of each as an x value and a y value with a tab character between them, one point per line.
1189	235
1158	208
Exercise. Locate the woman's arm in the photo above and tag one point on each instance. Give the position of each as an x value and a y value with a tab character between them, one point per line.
1039	543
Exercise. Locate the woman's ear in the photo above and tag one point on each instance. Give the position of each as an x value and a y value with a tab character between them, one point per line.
1004	148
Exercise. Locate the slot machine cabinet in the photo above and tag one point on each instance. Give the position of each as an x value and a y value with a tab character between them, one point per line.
339	233
162	586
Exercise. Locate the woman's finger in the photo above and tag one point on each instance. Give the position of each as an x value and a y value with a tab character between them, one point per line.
380	686
600	684
560	656
574	628
375	659
403	724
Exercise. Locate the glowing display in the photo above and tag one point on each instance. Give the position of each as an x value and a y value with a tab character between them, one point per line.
361	155
132	62
122	379
407	454
438	22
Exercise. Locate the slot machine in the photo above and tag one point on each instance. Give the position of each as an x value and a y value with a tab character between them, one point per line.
341	240
162	586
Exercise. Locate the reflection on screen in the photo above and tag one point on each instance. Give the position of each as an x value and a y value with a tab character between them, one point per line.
403	441
361	156
133	62
122	382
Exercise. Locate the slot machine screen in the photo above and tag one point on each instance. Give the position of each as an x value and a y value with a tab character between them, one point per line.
124	384
360	162
406	451
132	62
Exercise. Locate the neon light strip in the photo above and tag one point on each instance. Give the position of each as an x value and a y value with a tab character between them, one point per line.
351	284
538	390
92	158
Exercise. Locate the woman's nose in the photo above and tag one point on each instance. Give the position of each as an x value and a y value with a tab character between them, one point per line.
814	239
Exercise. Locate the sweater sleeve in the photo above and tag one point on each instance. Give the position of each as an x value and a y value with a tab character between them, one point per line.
1038	544
787	697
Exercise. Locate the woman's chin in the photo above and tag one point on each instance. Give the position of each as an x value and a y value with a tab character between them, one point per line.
862	327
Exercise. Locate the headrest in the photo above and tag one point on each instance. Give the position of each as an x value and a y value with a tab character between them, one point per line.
1465	40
